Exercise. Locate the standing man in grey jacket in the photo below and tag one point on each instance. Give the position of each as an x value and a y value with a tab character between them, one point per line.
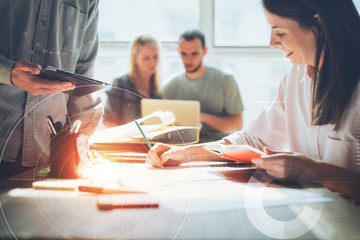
61	34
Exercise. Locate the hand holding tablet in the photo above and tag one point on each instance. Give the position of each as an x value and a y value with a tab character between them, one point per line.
84	85
24	75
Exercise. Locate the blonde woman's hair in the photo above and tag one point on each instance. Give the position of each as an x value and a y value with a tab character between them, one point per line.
144	40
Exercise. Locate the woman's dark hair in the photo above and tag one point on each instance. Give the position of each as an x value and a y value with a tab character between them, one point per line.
337	33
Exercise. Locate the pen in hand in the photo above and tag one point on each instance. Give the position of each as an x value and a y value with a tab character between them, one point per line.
145	138
142	133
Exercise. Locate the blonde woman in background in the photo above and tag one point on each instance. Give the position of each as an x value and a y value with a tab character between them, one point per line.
142	81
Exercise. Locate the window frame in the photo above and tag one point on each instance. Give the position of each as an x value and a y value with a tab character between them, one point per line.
207	23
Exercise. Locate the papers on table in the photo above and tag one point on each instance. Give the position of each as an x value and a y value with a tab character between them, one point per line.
227	196
197	188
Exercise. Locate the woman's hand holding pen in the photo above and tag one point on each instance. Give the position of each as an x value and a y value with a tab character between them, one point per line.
23	76
161	154
165	155
288	165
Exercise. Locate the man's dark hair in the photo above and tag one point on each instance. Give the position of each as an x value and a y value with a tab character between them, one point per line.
190	35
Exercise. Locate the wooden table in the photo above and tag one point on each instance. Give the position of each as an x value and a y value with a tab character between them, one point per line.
207	209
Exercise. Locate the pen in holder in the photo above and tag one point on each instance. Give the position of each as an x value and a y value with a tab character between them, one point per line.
68	150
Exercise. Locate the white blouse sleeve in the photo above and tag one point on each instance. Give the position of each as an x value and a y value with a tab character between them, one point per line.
269	127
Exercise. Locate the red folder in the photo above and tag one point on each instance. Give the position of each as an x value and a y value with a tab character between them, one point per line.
240	156
238	153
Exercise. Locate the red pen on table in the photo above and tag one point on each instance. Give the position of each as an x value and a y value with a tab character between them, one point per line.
102	190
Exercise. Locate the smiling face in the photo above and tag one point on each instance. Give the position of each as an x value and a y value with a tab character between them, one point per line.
191	53
298	44
147	59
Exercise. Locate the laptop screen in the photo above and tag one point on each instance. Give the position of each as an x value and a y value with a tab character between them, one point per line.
187	113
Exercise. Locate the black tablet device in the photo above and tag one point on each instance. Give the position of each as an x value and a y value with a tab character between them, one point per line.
84	85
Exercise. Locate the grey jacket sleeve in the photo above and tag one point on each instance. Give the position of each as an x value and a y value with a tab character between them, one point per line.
5	69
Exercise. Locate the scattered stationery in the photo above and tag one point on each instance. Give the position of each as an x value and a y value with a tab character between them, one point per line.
127	160
104	190
125	155
138	200
81	185
129	157
59	184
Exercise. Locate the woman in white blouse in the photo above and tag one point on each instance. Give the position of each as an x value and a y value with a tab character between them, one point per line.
313	125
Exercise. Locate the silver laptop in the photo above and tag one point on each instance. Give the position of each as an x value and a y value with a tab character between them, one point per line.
187	113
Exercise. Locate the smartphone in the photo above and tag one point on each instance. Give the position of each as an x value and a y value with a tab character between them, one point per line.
84	85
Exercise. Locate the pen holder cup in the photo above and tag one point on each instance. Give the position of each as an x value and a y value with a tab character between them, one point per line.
68	153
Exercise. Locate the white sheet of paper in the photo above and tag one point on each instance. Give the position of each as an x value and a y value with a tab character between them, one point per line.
130	129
